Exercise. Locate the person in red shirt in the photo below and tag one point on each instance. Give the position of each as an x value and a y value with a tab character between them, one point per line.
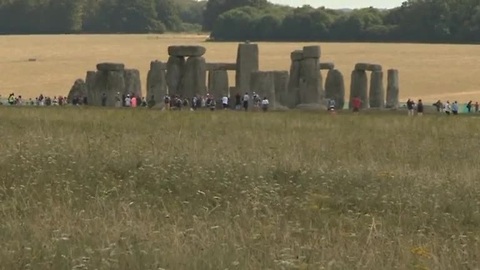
356	104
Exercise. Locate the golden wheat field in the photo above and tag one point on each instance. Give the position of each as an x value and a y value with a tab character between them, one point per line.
427	71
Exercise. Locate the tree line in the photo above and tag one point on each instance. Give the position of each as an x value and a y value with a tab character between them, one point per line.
451	21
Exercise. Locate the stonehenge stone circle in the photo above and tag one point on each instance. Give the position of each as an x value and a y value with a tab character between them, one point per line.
377	90
327	66
358	87
335	88
78	90
247	62
218	83
175	68
263	83
186	51
392	89
194	79
280	79
156	82
110	67
133	85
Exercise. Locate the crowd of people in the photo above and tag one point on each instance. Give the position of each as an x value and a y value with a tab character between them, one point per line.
447	107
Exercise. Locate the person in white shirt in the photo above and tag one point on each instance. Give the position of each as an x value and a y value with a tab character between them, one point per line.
246	98
265	104
225	102
447	108
128	101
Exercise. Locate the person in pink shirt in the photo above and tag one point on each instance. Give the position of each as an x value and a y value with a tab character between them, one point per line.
134	101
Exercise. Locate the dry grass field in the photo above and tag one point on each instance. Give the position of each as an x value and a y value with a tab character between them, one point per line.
427	71
93	188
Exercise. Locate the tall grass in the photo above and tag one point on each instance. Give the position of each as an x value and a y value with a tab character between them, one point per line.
137	189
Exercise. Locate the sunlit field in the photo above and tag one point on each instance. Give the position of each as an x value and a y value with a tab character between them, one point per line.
430	72
86	188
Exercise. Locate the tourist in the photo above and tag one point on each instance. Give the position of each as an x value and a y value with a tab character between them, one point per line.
194	103
144	102
331	105
212	104
166	101
133	101
225	102
265	104
438	105
410	105
455	108
469	106
356	104
104	99
11	99
420	108
118	100
476	107
447	108
128	101
246	98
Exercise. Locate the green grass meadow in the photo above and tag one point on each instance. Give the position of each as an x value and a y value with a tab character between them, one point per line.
93	188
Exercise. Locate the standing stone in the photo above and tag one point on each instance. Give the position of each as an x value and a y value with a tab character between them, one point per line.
78	90
218	83
281	87
247	62
89	83
310	81
293	98
99	87
175	68
359	87
393	89
108	82
156	82
263	83
335	88
115	84
194	79
377	90
133	84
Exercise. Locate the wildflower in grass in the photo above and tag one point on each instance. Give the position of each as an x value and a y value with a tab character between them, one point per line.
421	251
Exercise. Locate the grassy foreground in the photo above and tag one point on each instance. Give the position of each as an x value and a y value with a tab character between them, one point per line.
137	189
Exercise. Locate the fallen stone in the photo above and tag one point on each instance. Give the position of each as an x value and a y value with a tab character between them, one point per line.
247	62
221	66
194	78
218	83
393	89
335	88
175	69
110	67
377	90
296	55
186	51
280	79
78	90
358	87
156	82
327	66
311	52
133	85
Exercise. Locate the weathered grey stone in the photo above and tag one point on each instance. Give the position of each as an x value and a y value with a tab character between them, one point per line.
133	85
194	79
156	82
296	55
175	69
263	83
218	83
293	98
335	88
312	107
358	87
368	67
393	89
109	83
327	66
90	81
280	79
186	51
247	62
377	90
78	90
310	81
311	52
110	66
221	66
